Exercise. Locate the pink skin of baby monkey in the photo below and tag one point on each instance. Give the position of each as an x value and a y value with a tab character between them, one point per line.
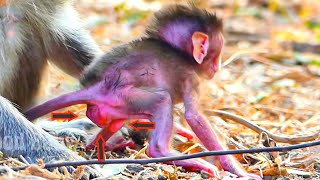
145	78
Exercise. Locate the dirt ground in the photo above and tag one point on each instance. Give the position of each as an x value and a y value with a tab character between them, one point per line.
271	77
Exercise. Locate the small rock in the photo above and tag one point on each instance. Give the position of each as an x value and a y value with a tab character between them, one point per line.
204	175
161	177
135	168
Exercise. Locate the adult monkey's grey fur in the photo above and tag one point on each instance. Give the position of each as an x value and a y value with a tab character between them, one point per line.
21	137
41	30
31	33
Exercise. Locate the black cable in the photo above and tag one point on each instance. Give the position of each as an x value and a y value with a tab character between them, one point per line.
180	157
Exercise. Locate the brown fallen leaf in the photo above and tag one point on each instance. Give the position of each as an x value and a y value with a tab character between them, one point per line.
275	171
36	170
171	176
77	174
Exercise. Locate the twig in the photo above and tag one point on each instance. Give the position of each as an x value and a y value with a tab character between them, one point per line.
175	158
17	162
24	160
258	129
191	148
77	174
238	54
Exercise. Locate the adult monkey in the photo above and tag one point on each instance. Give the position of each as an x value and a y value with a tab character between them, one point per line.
31	33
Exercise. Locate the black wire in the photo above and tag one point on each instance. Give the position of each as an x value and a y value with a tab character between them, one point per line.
180	157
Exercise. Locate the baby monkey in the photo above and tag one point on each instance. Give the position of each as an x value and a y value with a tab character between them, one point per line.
145	78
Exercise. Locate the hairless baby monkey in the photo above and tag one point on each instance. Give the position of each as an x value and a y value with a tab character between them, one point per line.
145	78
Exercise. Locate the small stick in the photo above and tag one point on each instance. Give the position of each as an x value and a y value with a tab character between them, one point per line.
24	160
258	129
238	54
17	162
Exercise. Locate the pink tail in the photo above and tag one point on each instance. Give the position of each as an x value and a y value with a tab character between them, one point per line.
78	97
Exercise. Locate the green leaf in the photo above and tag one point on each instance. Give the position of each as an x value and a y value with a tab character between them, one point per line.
311	24
246	11
318	37
315	62
301	59
134	16
261	96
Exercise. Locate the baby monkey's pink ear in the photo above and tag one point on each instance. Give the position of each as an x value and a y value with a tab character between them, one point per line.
200	43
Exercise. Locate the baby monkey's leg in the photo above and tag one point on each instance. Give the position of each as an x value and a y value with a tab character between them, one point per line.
203	130
158	104
107	132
